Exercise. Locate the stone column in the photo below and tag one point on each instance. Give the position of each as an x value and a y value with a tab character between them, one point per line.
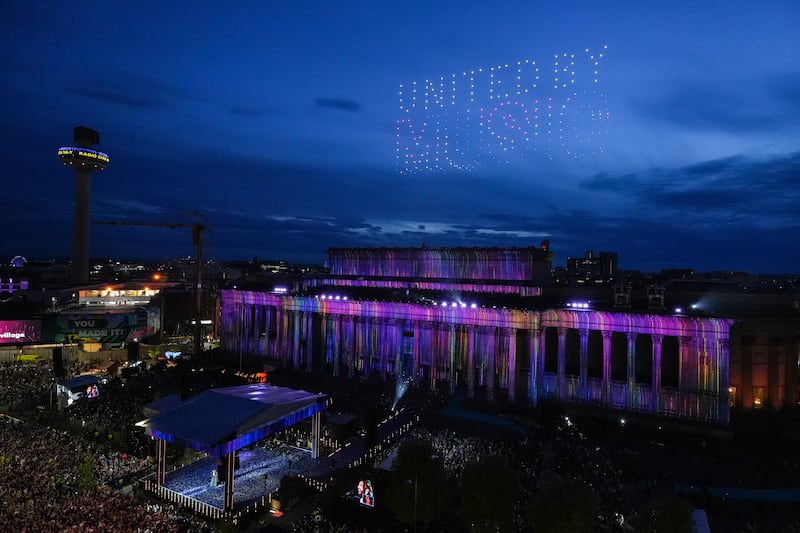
239	320
584	363
470	361
366	325
723	371
259	321
451	374
398	361
279	334
631	362
511	333
244	333
491	378
298	320
415	368
269	348
384	346
336	343
607	365
351	347
308	341
358	345
287	337
536	356
684	365
323	343
436	356
252	329
562	363
655	398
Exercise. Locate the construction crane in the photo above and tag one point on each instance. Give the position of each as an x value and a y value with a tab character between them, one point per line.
197	229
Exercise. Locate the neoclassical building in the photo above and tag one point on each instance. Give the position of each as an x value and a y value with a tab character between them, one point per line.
436	317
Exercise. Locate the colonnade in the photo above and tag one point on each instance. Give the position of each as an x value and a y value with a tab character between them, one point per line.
500	354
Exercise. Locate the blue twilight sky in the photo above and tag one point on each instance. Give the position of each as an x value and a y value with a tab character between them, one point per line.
295	127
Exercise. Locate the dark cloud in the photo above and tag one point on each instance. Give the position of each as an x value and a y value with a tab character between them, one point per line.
275	209
271	208
134	92
134	100
338	103
739	106
736	210
735	186
609	182
715	167
653	240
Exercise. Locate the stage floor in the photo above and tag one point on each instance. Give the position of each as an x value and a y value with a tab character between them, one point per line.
259	473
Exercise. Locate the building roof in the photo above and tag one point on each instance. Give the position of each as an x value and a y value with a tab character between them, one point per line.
163	404
80	382
219	421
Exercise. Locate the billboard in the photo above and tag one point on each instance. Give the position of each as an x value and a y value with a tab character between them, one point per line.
20	331
105	327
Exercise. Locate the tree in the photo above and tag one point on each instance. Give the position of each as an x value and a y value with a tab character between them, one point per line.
417	488
87	479
563	506
669	514
489	492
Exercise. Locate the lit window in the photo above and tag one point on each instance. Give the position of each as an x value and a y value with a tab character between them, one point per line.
759	397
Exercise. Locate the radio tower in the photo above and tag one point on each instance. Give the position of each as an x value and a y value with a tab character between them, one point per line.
84	160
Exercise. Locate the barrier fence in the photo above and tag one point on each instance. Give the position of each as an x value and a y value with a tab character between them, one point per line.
204	509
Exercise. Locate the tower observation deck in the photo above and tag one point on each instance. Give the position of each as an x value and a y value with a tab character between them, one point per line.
85	160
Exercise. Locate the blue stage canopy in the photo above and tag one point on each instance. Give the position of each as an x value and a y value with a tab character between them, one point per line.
219	421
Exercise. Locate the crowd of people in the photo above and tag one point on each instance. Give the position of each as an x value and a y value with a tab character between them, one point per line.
20	381
622	465
565	452
44	486
316	523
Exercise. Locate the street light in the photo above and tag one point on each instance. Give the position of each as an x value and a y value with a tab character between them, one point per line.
416	479
416	491
415	503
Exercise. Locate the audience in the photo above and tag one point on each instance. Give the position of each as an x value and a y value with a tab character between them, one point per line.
45	486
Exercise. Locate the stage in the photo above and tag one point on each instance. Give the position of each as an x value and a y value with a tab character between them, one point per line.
261	468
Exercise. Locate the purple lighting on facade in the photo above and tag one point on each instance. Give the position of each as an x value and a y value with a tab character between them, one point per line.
494	348
439	264
522	290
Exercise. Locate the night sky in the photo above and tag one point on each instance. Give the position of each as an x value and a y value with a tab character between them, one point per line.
668	132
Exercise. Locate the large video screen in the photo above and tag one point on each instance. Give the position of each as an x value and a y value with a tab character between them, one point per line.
365	494
20	331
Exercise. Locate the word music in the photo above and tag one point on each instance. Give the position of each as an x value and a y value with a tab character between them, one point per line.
503	114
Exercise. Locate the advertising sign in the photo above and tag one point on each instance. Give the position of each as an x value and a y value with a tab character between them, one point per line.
105	328
20	331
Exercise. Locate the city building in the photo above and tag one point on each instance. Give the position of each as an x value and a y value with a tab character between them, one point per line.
486	321
591	269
